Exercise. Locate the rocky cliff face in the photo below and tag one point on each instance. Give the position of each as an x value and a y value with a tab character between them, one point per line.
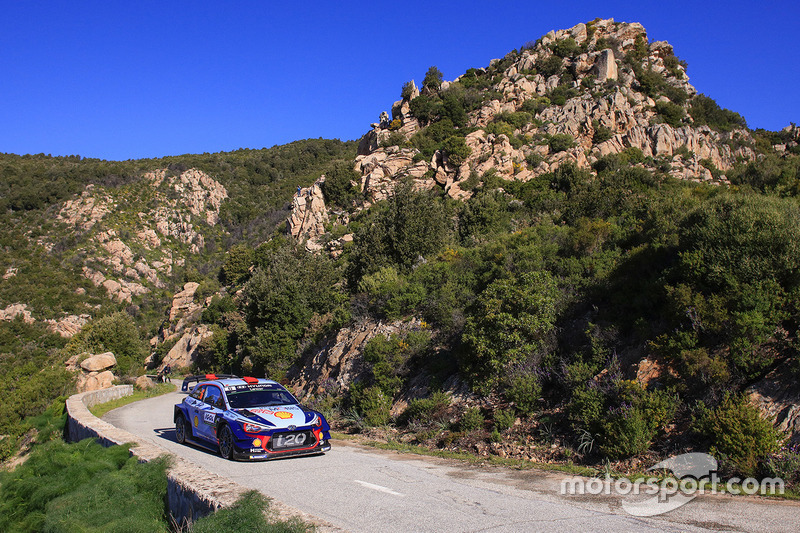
599	88
130	238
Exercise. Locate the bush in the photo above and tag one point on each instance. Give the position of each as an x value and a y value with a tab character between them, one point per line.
433	79
705	111
431	410
524	390
566	47
626	432
509	324
560	142
407	91
116	333
601	133
338	188
740	438
457	150
471	420
237	264
550	66
671	113
372	404
248	514
504	419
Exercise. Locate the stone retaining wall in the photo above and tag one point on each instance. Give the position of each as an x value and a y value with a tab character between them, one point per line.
191	491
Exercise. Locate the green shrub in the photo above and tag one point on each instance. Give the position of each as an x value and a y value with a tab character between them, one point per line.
566	47
431	410
116	333
524	390
372	404
338	187
456	149
237	264
671	113
408	89
503	419
561	94
739	436
433	79
705	111
395	138
560	142
601	133
510	323
249	513
471	420
550	66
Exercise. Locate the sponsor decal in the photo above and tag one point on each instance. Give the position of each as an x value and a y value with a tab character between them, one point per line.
283	415
196	421
257	443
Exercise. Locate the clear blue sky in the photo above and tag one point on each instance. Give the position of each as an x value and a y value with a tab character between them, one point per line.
124	80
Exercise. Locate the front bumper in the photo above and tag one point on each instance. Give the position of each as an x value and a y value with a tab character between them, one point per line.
260	450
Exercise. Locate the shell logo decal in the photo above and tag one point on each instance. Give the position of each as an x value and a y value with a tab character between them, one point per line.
283	415
196	421
257	443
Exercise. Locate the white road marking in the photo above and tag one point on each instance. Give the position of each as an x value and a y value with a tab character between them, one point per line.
378	488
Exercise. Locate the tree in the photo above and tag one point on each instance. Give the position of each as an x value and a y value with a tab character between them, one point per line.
509	324
338	187
115	333
433	79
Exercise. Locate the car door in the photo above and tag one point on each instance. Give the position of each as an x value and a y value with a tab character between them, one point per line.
195	403
209	409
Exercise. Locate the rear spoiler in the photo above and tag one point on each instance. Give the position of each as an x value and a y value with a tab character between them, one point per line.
203	377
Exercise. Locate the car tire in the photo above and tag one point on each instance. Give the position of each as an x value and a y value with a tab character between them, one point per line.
181	427
225	442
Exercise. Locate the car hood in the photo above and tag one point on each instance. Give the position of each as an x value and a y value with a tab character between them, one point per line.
282	416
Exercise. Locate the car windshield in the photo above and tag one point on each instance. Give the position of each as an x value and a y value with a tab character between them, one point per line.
259	398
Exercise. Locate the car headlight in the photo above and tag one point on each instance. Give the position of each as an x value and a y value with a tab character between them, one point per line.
253	428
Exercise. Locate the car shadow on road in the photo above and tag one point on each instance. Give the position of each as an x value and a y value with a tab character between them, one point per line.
169	434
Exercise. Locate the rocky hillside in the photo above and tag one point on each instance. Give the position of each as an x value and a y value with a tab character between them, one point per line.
575	95
569	250
558	143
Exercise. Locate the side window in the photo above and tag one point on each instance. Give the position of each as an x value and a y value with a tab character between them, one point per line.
198	392
214	397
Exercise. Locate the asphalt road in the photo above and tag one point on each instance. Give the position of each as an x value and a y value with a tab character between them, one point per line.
365	490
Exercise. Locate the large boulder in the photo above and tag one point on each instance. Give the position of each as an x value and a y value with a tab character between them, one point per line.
183	354
99	362
95	381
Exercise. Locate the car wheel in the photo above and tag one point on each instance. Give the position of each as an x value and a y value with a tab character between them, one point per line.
225	442
180	429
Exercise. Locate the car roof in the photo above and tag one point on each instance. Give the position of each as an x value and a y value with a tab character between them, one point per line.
225	380
229	382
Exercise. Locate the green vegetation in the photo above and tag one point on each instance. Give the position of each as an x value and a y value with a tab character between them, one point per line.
543	296
705	111
740	438
66	487
247	514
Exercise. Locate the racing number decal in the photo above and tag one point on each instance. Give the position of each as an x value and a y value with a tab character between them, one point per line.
289	441
208	418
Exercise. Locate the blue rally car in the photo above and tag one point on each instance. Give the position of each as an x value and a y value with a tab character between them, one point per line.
248	418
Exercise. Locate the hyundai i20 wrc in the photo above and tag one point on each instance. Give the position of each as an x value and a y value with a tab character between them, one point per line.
248	418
